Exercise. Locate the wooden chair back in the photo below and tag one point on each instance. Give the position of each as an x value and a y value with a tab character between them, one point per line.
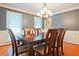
61	37
28	31
37	31
51	40
13	40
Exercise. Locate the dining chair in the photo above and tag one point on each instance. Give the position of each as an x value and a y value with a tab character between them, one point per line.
37	31
59	44
46	49
17	49
28	31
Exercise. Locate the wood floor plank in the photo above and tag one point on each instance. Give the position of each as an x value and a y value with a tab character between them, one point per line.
69	50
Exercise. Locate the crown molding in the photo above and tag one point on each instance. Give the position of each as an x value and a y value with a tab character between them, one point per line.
17	9
66	10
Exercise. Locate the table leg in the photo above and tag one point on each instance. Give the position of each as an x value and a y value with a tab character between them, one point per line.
30	51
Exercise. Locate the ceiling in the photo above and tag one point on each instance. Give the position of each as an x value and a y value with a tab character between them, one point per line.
36	7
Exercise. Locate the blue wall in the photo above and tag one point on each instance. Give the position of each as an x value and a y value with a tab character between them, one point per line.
69	20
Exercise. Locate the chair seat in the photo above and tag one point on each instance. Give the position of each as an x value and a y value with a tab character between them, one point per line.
22	49
40	49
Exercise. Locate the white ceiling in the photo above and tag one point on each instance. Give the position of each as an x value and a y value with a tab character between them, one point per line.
36	7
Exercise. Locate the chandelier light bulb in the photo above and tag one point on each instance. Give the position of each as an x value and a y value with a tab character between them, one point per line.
42	12
41	16
46	16
45	9
51	14
38	14
48	12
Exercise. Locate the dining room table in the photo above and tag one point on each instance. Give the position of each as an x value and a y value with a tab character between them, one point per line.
33	40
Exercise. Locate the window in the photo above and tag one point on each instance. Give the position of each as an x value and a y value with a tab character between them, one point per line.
37	22
14	22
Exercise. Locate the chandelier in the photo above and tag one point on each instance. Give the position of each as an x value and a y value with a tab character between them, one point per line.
44	13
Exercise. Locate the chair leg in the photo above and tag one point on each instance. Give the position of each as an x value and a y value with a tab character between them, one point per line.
53	52
16	54
57	51
26	53
13	53
62	50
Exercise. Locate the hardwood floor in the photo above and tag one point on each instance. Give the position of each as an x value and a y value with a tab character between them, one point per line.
69	50
6	50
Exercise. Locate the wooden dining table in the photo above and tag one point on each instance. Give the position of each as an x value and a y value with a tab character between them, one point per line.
33	40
